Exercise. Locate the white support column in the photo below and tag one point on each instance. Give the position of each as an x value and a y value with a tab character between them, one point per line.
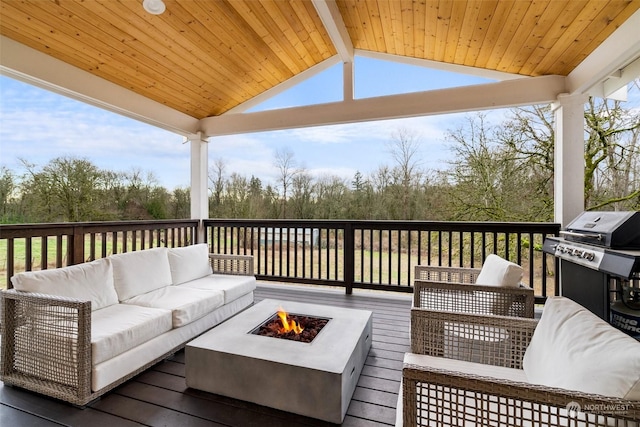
569	158
348	79
199	181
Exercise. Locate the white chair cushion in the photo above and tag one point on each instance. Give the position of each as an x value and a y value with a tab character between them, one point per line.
189	263
90	281
185	304
233	286
500	372
499	272
574	349
139	272
121	327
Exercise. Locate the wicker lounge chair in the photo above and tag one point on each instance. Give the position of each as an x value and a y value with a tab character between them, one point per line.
438	391
456	289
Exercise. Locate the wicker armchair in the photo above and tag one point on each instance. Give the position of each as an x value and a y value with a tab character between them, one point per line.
454	289
438	391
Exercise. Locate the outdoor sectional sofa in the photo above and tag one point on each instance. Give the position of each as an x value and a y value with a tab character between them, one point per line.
74	333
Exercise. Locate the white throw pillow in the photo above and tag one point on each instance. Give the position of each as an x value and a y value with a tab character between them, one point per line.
497	271
189	263
89	281
139	272
574	349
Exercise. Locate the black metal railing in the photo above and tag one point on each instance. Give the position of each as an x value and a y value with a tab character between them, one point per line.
381	254
30	247
351	254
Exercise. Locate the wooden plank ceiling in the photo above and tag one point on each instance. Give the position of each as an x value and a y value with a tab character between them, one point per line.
203	57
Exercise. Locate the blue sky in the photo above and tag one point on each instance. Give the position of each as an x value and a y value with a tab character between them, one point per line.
37	126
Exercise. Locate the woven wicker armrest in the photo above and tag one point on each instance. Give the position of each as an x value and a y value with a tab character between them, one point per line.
446	274
432	396
471	298
241	265
46	344
492	340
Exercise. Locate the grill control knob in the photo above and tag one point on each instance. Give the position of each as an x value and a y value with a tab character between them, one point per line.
589	256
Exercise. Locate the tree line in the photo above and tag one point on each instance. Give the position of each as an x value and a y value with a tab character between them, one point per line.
499	172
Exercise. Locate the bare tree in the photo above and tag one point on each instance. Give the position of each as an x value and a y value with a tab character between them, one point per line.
489	183
287	167
611	156
217	180
403	148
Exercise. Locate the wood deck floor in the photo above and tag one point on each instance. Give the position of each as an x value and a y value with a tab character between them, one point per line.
160	397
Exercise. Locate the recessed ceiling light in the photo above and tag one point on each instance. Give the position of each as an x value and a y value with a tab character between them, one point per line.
154	7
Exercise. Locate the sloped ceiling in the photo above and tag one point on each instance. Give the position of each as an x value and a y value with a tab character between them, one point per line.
203	58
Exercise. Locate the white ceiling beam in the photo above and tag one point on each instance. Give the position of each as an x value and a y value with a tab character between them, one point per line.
510	93
334	24
618	51
23	63
454	68
617	82
286	85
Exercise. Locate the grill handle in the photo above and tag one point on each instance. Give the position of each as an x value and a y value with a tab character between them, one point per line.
598	236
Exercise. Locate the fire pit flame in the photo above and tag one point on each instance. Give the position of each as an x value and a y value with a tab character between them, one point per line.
289	324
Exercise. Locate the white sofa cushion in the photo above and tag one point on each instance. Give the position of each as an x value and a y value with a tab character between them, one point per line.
574	349
89	281
189	263
139	272
233	286
499	272
185	304
121	327
117	367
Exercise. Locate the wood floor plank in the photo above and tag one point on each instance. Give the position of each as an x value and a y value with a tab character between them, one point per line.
375	383
55	410
13	417
393	355
351	421
376	397
374	371
369	411
140	410
171	367
384	363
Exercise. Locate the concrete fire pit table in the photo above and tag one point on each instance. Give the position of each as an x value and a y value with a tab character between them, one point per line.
314	379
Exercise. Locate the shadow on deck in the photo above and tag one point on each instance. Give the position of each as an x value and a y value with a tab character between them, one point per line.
160	397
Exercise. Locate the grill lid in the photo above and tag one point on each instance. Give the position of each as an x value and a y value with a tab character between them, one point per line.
617	230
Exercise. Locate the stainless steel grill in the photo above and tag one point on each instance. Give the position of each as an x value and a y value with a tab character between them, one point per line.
599	255
615	230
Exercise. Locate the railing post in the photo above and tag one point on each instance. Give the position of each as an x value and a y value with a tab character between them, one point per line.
349	261
76	251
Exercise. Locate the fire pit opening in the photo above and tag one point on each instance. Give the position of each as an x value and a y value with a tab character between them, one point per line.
294	327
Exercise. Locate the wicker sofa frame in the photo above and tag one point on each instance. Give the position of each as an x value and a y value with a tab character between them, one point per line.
433	396
52	373
454	289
